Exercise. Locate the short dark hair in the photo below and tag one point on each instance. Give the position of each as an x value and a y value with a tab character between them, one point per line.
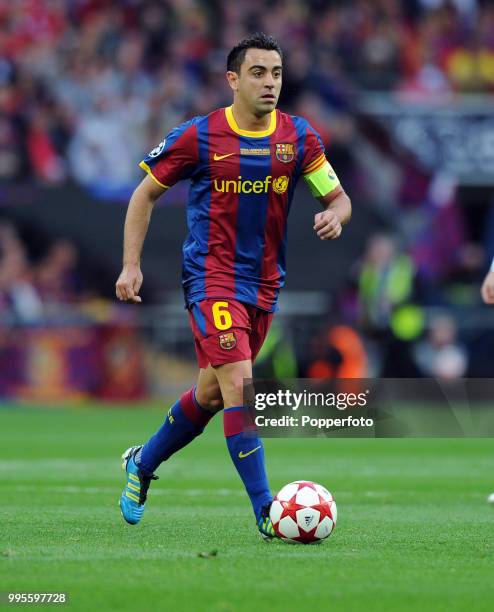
259	40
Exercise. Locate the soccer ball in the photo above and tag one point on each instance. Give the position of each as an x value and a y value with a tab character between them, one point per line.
304	512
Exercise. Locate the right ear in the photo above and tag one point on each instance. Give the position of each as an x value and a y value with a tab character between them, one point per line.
232	78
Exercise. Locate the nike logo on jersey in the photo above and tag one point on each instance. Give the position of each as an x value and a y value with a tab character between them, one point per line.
242	455
217	157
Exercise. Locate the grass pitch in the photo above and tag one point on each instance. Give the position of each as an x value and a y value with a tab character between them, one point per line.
414	529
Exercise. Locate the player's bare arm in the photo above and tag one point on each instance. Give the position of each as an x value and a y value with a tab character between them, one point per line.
338	209
487	290
137	220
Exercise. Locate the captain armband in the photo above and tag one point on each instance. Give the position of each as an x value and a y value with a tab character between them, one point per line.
322	181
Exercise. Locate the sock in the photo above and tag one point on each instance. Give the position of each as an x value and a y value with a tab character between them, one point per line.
185	420
247	453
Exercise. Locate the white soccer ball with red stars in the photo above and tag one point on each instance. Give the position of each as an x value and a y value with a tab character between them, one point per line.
303	511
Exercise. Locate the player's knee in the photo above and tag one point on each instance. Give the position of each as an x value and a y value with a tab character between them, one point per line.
215	405
210	399
231	378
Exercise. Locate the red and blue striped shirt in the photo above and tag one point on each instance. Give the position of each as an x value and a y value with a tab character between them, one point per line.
242	186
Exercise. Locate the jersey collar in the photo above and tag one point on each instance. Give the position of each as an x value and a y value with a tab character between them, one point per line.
234	127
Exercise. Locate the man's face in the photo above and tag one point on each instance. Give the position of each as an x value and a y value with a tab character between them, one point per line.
259	83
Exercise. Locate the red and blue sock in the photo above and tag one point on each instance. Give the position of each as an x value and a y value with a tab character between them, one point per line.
185	420
247	453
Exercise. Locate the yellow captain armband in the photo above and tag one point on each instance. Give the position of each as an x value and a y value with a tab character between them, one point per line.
322	181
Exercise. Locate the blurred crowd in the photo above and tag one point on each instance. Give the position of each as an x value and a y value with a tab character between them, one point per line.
30	289
391	321
88	86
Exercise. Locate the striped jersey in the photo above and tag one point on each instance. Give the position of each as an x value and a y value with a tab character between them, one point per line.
242	186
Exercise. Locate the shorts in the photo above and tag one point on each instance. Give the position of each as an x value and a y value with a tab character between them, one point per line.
226	331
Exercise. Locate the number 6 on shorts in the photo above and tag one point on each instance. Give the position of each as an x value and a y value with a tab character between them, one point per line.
222	318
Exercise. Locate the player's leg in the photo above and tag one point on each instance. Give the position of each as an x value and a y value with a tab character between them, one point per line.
222	329
185	420
244	445
208	392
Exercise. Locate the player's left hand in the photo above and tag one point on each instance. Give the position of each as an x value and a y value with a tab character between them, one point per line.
327	225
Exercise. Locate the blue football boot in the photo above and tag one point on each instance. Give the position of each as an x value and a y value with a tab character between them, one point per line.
265	525
133	498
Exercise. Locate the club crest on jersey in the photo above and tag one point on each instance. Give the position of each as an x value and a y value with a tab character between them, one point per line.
285	152
157	150
227	341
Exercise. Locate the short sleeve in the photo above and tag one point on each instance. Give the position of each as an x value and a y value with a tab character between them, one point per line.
175	158
314	155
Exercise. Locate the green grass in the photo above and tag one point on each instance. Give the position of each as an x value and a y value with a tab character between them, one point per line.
414	530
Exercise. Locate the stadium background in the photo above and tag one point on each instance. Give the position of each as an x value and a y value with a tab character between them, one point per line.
401	93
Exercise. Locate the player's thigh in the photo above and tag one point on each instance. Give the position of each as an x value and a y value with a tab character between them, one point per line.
231	378
208	392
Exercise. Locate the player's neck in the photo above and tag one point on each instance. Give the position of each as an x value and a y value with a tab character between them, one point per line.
246	120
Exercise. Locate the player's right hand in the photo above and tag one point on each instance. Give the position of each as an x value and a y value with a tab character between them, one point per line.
487	291
129	283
